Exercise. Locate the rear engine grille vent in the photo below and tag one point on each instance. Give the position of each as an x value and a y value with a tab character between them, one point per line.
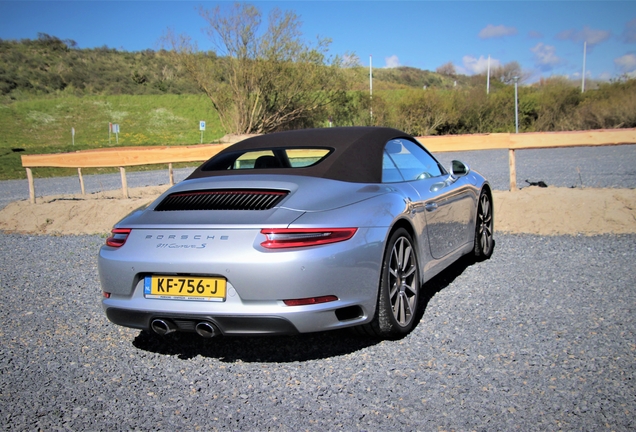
228	199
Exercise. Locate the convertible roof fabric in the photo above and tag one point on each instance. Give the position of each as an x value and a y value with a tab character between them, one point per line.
356	157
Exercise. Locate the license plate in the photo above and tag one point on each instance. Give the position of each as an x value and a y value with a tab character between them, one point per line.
185	288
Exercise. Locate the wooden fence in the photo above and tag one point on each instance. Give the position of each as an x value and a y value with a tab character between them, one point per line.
133	156
527	141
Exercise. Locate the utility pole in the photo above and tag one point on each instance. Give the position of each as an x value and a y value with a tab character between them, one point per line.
488	77
371	88
583	78
516	106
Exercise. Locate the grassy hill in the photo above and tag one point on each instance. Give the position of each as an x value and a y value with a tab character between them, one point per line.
43	125
48	87
48	65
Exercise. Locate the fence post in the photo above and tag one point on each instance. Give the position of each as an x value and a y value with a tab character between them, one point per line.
31	186
124	183
513	169
81	180
171	174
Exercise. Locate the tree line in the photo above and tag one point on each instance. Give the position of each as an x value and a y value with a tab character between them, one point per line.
51	66
263	81
552	104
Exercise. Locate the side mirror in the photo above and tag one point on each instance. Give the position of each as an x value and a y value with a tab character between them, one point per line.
459	169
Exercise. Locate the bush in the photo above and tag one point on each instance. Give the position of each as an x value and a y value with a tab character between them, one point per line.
557	102
422	112
612	105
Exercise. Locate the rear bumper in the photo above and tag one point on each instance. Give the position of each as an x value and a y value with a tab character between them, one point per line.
228	325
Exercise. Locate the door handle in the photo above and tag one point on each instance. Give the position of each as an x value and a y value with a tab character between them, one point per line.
431	207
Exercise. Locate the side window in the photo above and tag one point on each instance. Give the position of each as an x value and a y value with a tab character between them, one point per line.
390	173
412	161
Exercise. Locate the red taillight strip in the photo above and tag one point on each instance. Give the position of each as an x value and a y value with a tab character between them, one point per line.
118	237
310	300
279	238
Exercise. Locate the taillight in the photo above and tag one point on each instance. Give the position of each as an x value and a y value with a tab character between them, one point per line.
118	237
310	300
278	238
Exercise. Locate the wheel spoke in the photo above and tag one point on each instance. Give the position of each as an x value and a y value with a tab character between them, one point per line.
397	307
409	272
410	289
394	289
400	254
409	305
394	259
485	207
485	242
403	317
405	250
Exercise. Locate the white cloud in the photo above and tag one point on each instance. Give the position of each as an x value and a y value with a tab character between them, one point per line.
491	31
594	37
589	35
545	57
392	62
535	35
629	35
568	35
626	63
479	65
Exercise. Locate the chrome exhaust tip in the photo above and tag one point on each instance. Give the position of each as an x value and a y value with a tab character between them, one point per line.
206	329
162	327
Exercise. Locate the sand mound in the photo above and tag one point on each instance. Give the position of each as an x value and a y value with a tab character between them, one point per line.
533	210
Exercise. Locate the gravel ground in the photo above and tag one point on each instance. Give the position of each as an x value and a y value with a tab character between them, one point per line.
598	167
540	337
590	167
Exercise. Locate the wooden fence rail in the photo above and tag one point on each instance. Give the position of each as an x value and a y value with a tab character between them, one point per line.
132	156
119	157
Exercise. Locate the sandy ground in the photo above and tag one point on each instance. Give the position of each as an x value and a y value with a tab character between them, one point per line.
533	210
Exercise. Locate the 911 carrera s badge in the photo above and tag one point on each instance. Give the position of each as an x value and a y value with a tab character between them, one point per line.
184	241
180	246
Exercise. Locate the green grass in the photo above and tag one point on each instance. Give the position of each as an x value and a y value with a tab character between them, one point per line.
44	126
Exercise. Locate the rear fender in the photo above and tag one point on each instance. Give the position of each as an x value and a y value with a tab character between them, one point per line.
376	212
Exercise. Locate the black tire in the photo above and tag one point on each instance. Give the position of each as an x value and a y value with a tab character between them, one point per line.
399	289
484	228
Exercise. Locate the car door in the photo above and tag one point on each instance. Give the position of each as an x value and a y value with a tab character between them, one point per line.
444	204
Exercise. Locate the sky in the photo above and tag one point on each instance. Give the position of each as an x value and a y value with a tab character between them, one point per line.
545	37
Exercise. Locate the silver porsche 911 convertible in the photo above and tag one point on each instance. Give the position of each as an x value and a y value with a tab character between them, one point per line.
295	232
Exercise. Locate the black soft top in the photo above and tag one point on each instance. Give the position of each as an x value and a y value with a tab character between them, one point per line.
356	153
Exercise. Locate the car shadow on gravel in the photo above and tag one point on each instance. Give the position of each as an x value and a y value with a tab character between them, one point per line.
266	349
286	349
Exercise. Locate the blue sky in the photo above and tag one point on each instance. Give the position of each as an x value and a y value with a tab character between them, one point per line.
545	37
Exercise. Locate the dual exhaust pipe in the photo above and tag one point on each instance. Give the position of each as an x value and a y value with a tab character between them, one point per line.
163	327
